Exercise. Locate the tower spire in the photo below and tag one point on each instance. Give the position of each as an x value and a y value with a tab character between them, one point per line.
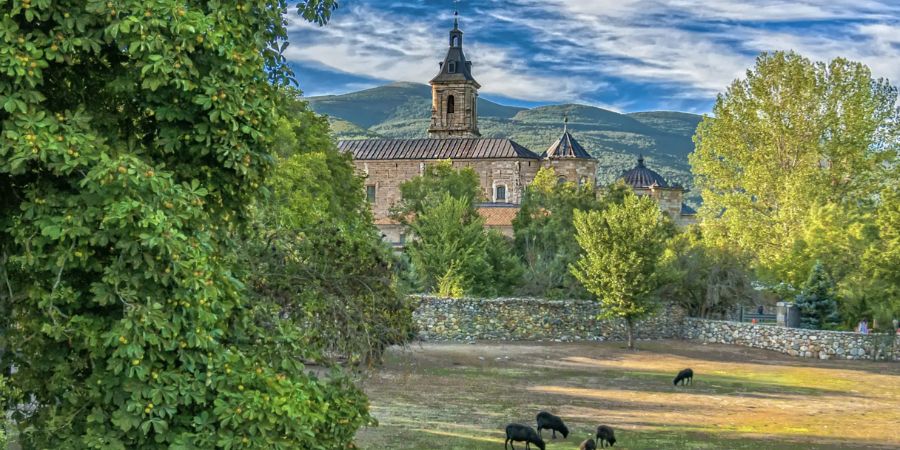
454	111
566	122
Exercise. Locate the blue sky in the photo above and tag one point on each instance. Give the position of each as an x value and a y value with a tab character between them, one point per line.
625	55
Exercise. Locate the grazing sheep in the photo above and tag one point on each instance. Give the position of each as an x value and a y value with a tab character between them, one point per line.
686	375
547	421
588	444
605	435
523	433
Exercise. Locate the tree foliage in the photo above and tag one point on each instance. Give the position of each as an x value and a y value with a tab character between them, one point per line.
452	252
816	301
316	252
449	245
791	137
134	137
705	280
544	232
438	179
622	248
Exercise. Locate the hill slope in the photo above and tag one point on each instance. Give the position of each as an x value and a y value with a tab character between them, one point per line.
402	110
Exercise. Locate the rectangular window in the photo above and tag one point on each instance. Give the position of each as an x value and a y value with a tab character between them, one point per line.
370	193
501	194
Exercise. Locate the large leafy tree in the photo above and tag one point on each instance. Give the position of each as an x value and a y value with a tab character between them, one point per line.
449	247
791	137
622	249
438	179
316	251
133	136
544	232
451	252
705	280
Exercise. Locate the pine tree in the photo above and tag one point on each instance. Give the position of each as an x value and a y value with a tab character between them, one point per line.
816	301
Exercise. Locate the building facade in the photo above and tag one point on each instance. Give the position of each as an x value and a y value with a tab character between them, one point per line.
504	167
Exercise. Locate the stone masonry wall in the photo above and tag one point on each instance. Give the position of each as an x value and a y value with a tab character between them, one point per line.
513	319
795	341
387	176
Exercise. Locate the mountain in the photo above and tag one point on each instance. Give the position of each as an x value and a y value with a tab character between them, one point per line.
403	110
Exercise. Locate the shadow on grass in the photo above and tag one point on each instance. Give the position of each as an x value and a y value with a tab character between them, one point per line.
670	438
634	380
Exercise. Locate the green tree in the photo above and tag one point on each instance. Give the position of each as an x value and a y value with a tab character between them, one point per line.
316	252
874	289
816	301
544	232
706	281
437	180
452	252
791	137
622	249
133	139
449	246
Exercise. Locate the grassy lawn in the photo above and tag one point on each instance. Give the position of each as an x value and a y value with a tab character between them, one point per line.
461	396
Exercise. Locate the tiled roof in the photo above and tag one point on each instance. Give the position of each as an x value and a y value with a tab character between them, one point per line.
498	215
447	148
566	147
642	177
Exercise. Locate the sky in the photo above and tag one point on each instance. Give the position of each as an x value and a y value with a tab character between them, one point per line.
624	55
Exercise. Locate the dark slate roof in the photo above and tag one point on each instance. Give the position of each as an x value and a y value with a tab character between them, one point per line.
446	148
687	210
642	177
462	66
566	147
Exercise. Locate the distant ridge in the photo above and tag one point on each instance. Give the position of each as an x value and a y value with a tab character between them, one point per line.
402	110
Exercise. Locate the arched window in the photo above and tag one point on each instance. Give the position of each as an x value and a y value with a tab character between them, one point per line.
561	180
451	106
454	41
451	68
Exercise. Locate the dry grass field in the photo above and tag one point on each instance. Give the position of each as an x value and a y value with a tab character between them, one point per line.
461	396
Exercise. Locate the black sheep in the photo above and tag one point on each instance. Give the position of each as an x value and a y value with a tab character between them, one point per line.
605	435
547	421
523	433
686	375
588	444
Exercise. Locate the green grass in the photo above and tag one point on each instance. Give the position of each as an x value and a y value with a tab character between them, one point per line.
462	396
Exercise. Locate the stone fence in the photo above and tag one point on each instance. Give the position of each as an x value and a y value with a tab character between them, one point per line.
795	341
511	319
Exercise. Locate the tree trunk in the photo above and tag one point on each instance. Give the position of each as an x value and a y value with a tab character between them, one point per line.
629	329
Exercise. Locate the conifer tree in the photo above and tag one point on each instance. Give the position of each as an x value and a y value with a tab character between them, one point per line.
816	301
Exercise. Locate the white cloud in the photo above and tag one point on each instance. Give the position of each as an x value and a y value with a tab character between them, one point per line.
568	50
369	43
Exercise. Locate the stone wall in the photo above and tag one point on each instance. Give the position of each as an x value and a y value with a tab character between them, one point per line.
386	176
795	341
511	319
440	319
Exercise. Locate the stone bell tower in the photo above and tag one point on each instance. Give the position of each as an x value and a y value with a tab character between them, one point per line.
454	93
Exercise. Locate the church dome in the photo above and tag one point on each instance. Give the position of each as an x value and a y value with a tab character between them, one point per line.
642	177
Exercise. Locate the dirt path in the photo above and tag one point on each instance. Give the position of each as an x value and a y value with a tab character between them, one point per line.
460	396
